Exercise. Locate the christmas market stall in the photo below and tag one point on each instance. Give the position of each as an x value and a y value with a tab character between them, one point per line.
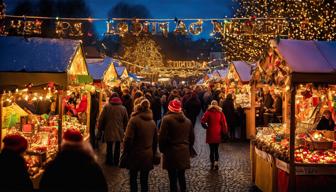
237	83
105	77
34	76
297	154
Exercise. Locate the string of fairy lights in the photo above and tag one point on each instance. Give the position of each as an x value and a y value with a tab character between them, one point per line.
307	20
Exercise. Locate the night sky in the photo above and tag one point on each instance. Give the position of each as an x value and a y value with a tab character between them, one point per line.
161	9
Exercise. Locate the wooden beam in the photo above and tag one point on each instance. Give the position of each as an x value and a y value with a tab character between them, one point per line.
292	171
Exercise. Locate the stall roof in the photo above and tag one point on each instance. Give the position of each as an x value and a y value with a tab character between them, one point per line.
244	70
309	56
222	72
97	70
19	54
120	70
132	75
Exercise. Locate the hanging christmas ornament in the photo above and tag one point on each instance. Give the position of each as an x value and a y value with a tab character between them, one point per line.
195	28
164	27
181	28
122	28
217	27
154	28
110	30
145	28
136	27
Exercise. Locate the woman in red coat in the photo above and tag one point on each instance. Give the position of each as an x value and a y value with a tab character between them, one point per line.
215	122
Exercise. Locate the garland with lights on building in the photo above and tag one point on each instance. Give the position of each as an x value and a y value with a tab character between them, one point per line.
307	20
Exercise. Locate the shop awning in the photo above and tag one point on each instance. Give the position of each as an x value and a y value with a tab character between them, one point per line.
309	56
244	70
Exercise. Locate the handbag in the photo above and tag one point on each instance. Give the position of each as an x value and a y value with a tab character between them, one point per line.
156	158
123	160
204	125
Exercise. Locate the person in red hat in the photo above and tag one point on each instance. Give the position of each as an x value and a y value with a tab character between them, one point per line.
113	121
14	174
176	138
74	168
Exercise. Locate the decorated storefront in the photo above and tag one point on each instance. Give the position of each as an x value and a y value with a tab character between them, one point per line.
237	83
35	77
297	154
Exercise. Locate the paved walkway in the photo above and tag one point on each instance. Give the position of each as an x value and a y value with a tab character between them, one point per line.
233	175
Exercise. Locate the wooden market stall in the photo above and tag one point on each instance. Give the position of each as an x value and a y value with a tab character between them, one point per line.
105	77
237	83
34	74
296	155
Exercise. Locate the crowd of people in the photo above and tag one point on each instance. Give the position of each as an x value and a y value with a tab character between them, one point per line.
137	124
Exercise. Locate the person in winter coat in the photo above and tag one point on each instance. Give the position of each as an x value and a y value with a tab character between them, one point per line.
174	94
127	101
113	121
74	167
207	98
216	125
229	112
191	106
156	106
140	143
14	174
94	112
176	139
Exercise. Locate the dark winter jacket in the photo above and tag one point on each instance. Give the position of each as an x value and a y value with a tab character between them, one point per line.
191	106
13	173
176	138
128	103
140	141
216	121
229	112
156	107
113	121
73	169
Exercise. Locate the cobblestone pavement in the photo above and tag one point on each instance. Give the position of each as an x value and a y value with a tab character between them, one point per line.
233	175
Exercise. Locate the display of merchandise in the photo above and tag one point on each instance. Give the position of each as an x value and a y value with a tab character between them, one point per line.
73	123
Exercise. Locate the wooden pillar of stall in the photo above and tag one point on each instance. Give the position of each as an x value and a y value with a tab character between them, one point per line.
251	116
1	120
100	100
88	114
292	171
60	119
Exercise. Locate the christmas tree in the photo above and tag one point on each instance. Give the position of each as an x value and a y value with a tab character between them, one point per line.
144	55
307	20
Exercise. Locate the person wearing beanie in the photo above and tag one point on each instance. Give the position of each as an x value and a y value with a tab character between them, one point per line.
113	121
14	174
140	143
215	122
74	167
176	138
